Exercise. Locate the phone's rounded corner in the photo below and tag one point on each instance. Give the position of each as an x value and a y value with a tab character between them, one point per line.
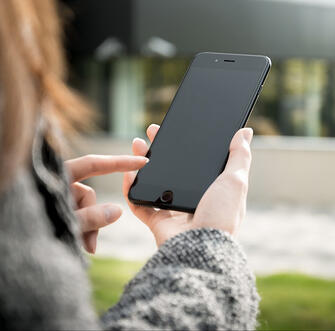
200	54
131	197
268	60
264	58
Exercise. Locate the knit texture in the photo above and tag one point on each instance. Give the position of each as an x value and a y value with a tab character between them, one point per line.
43	284
198	280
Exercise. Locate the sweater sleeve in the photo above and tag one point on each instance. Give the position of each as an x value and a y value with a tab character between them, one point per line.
43	284
198	280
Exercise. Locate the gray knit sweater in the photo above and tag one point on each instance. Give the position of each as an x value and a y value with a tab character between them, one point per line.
198	280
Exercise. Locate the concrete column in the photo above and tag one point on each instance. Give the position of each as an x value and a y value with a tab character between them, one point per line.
315	82
127	104
301	100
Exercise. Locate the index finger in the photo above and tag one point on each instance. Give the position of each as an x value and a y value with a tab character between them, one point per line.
96	165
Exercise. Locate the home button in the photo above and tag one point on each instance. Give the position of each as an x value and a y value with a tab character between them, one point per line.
167	196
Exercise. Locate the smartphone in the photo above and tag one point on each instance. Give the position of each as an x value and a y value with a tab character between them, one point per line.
191	148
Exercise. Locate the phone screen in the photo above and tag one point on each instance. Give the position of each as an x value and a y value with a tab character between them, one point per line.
192	144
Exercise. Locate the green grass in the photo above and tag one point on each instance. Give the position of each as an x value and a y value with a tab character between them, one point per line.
296	302
109	276
289	301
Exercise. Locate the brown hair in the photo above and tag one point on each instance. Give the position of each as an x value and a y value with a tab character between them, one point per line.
32	75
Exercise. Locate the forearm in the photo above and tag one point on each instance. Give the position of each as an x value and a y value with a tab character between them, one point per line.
197	280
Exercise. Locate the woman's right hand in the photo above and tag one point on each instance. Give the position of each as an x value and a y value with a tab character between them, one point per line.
222	206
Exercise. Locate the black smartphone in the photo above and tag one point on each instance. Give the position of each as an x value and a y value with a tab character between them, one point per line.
191	148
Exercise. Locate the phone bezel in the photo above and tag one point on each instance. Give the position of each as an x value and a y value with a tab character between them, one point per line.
209	59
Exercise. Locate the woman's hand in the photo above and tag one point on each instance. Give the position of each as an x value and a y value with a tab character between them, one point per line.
222	206
92	216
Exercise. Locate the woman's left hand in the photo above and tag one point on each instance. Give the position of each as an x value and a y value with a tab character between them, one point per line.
91	215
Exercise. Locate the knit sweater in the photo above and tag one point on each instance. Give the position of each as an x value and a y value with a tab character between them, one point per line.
197	280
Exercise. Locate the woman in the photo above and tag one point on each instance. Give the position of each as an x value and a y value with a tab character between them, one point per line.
198	279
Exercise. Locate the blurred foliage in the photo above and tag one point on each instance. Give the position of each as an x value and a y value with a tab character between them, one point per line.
162	77
289	301
298	97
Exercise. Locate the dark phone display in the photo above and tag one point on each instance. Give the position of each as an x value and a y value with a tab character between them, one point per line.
193	142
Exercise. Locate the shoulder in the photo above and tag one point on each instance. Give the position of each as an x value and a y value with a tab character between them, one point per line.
46	284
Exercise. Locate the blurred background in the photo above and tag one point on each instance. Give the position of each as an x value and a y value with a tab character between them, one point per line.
127	57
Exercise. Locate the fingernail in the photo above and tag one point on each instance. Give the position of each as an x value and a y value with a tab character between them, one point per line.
92	243
112	213
144	158
139	139
248	134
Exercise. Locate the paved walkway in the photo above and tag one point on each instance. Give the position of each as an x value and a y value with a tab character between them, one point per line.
275	239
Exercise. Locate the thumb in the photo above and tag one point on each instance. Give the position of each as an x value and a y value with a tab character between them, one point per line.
239	151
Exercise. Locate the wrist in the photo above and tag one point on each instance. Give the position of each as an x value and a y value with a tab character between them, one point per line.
195	247
164	233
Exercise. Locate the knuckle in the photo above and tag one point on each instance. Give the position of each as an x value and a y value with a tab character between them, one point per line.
242	151
245	152
90	219
97	220
82	217
239	180
91	161
117	163
91	192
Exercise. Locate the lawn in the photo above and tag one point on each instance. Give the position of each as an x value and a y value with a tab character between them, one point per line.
289	301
